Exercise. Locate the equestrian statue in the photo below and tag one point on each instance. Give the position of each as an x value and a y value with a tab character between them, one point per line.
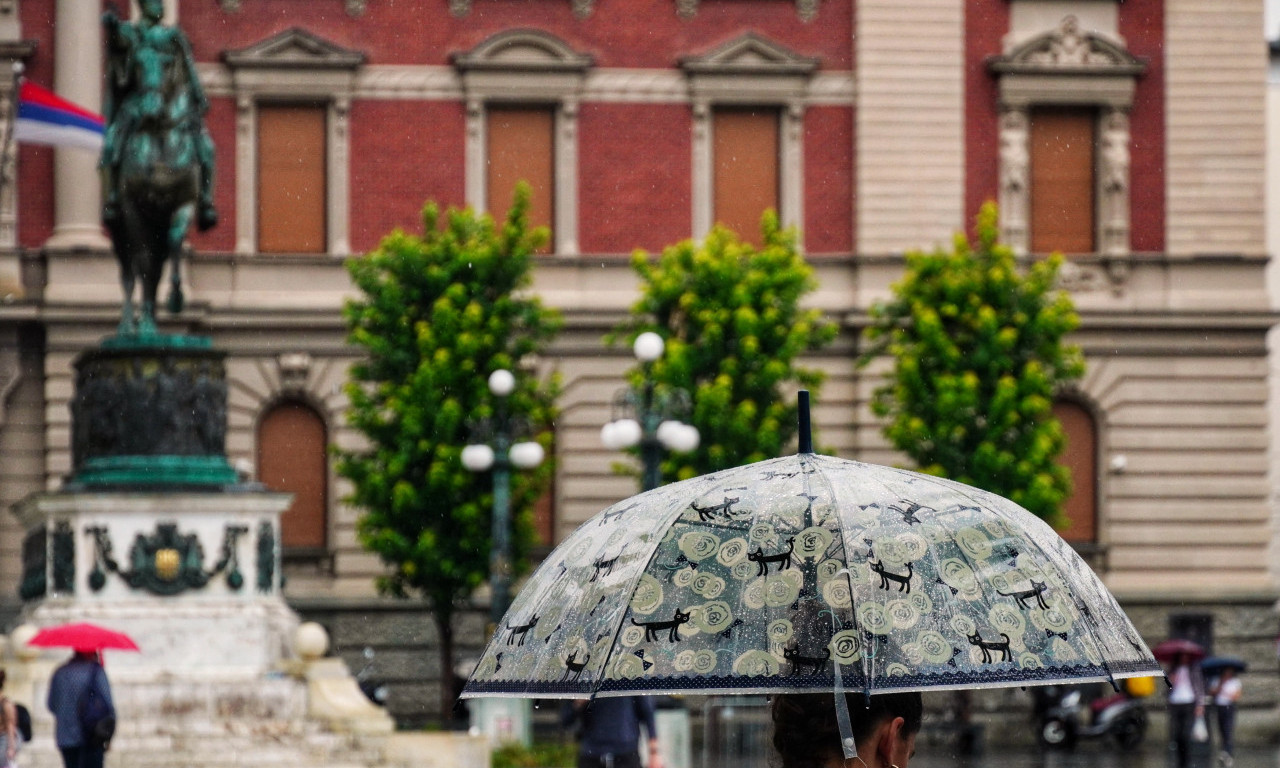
157	157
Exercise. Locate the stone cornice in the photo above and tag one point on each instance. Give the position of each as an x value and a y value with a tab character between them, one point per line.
438	83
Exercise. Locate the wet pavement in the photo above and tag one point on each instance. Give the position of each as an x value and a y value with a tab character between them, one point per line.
1096	755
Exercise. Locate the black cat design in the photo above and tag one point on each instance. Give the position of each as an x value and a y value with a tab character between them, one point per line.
799	662
761	559
904	580
652	628
522	630
1036	591
607	516
573	668
724	508
604	567
909	514
988	646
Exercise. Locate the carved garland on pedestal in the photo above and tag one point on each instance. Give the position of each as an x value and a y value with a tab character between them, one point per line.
266	558
167	562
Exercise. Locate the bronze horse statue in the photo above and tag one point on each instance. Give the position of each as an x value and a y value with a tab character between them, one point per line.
157	158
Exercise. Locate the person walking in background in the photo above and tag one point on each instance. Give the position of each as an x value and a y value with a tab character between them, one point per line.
1186	703
78	688
610	732
1226	691
8	728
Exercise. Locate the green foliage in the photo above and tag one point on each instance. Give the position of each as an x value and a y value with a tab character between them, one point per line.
979	354
730	314
437	313
540	755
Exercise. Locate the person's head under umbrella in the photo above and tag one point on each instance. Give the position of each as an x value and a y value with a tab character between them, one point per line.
807	734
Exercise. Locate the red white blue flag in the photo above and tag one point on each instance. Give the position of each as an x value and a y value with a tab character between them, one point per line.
46	118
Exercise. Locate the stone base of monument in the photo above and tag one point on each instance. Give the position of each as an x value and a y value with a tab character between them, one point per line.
224	676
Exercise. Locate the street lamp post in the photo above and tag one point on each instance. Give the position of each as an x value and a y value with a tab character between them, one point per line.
650	417
501	456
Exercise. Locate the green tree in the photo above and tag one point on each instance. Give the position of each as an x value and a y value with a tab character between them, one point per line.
436	314
731	318
979	354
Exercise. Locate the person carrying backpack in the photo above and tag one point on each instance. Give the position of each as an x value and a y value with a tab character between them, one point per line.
8	728
80	700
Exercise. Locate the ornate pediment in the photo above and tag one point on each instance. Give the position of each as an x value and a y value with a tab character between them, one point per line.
523	50
294	48
1068	48
750	54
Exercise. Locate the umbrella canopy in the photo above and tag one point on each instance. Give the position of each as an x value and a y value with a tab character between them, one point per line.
1215	664
1169	650
82	637
773	577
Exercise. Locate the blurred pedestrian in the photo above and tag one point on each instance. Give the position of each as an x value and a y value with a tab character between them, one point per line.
1186	704
80	700
8	728
609	736
1226	692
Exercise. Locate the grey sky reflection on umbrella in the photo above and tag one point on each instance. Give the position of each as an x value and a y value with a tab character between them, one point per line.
769	578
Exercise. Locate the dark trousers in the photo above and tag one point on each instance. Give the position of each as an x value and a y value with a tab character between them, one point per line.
1182	717
1227	727
82	757
624	760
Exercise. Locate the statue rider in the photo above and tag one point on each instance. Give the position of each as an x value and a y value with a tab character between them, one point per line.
151	76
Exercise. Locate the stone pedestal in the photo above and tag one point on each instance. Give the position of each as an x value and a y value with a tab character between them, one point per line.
193	578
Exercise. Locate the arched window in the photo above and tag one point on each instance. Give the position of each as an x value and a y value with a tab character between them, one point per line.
292	457
1081	457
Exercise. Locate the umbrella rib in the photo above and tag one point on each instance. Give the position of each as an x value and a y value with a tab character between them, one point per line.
1049	557
672	515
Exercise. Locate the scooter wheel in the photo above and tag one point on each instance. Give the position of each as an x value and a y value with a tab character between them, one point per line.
1057	734
1130	731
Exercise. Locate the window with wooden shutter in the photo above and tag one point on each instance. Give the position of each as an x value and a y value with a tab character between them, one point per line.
1062	180
293	457
292	189
745	177
521	148
1081	457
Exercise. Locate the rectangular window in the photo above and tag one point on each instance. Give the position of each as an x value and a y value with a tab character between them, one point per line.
292	191
521	148
1081	457
744	152
1062	181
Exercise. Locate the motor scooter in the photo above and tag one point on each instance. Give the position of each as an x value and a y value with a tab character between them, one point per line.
1120	717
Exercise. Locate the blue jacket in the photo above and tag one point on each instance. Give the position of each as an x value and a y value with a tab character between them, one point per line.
611	725
66	688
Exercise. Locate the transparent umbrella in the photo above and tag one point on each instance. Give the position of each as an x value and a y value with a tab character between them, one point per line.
809	573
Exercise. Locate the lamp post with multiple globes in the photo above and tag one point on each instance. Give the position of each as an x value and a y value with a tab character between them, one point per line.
500	454
650	416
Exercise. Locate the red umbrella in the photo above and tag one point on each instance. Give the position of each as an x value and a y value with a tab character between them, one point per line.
1169	650
82	637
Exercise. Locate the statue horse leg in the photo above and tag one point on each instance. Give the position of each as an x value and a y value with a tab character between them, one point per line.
121	243
177	233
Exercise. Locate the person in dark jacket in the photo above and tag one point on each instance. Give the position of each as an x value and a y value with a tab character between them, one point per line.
72	684
610	733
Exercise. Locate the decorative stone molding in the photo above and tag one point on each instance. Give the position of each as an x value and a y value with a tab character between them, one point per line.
581	8
294	64
523	66
749	71
807	10
295	367
355	8
1067	66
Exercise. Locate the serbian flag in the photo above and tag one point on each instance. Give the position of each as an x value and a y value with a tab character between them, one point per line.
44	117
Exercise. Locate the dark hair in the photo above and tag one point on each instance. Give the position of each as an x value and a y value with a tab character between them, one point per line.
1	678
805	731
